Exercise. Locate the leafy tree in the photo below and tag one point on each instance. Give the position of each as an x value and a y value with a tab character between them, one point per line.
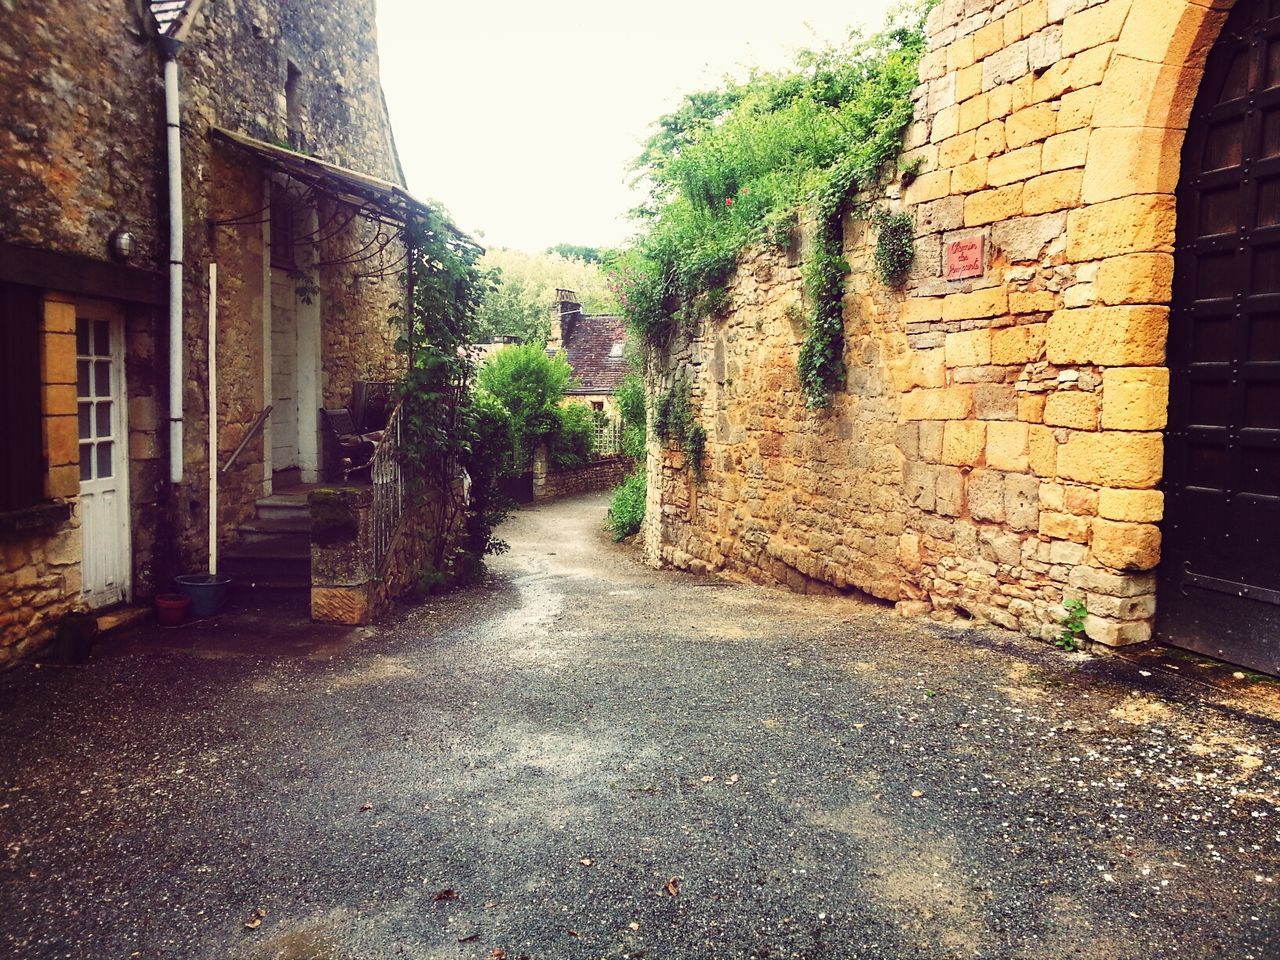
529	385
520	304
571	251
570	444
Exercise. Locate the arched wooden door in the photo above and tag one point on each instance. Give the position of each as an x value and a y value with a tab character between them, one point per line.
1219	587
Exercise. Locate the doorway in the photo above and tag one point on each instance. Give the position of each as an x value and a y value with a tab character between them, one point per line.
106	558
1219	580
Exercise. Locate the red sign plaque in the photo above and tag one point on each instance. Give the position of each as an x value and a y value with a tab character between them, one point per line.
965	258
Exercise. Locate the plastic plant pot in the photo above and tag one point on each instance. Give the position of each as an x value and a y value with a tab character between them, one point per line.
171	609
207	592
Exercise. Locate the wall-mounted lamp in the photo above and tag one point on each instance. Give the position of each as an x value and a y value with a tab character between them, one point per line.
122	244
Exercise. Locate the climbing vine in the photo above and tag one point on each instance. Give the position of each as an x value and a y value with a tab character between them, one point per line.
895	246
448	427
673	422
738	166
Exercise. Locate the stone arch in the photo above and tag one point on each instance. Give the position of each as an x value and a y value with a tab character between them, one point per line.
1143	107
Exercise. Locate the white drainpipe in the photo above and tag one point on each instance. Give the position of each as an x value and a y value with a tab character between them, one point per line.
174	130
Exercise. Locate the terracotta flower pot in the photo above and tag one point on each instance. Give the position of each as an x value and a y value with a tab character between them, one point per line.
171	609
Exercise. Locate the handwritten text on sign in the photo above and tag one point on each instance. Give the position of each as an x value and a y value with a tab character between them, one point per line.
964	258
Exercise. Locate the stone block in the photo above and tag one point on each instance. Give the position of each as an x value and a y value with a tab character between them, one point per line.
1082	501
939	215
1126	546
1137	224
1053	191
919	482
1042	451
1020	164
929	368
994	401
1121	608
58	358
1112	459
1064	526
1092	27
1066	553
1133	506
949	403
973	113
61	440
986	495
1031	125
1075	109
1156	30
988	39
950	492
59	399
1117	633
1124	161
972	348
1022	502
928	186
1034	301
1025	239
1095	580
970	177
62	481
909	552
968	81
1005	65
1065	151
349	605
957	150
59	315
1044	48
1007	446
1108	336
989	139
1072	408
931	441
922	310
1018	345
1135	398
991	206
1031	407
963	442
1136	278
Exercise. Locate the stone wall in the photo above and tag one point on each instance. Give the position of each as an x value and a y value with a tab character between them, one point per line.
604	474
999	447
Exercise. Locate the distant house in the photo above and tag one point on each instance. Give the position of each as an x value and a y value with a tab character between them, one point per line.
594	345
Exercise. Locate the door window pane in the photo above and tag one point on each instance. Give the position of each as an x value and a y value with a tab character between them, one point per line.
104	419
86	424
82	379
86	461
102	378
101	338
104	459
82	337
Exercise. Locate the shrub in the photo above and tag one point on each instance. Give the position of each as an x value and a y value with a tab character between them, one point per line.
626	508
530	385
631	405
569	444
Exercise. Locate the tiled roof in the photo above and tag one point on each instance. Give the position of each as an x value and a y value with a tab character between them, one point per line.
596	362
168	14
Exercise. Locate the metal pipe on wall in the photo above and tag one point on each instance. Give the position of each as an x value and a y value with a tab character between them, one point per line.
213	418
174	142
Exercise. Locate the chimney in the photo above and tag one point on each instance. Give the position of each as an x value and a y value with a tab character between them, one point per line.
564	314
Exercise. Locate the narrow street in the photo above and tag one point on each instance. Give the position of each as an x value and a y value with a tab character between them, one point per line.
587	758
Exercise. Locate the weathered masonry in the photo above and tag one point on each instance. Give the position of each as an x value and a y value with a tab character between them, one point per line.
1077	392
103	498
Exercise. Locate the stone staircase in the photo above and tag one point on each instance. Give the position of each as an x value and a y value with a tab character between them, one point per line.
274	552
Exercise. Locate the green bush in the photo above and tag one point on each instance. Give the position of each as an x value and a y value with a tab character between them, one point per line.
569	444
631	406
626	508
530	385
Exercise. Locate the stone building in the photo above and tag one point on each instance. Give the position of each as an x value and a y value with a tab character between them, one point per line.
594	346
290	185
1077	392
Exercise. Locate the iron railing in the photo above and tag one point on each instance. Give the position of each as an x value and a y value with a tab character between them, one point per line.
387	474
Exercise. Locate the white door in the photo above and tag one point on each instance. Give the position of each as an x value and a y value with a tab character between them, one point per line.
284	372
104	455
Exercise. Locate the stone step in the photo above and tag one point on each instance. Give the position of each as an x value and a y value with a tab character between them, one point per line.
121	618
280	562
283	507
268	528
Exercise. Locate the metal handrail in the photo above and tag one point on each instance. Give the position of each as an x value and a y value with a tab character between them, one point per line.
257	425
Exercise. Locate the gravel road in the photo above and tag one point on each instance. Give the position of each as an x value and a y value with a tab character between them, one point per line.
585	758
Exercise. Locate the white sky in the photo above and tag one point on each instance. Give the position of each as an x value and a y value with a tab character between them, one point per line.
522	117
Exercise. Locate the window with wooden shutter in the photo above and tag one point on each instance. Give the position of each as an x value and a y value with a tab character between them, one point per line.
21	446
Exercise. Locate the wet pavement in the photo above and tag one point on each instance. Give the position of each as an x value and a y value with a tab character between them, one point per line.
585	758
